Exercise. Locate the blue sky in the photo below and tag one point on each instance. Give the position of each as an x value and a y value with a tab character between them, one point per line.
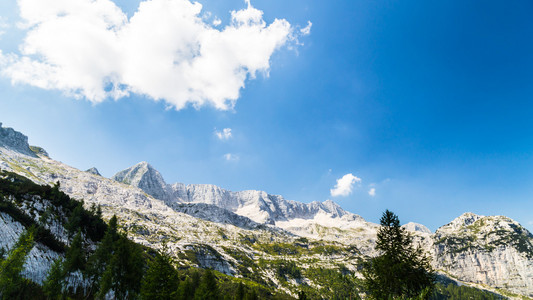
429	104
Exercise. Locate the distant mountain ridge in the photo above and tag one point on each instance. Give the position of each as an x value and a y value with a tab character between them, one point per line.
258	206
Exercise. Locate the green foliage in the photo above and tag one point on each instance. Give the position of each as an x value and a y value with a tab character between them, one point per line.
12	285
334	284
401	270
279	248
161	280
452	291
21	188
239	295
207	290
75	258
53	284
124	271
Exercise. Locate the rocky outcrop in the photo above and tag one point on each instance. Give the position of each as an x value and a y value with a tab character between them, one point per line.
39	151
93	171
145	177
493	250
14	140
415	227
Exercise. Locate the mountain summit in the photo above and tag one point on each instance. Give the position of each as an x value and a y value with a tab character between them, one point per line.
145	177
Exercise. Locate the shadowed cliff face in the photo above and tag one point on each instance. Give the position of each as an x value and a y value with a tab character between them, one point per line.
14	140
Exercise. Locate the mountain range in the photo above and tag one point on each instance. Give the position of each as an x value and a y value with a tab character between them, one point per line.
245	233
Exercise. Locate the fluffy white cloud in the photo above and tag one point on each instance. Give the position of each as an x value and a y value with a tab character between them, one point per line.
225	134
344	186
372	192
165	51
231	157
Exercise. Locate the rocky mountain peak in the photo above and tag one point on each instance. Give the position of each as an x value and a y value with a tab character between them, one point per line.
411	226
145	177
461	222
333	208
93	171
14	140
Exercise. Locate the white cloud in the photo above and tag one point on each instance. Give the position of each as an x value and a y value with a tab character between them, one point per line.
307	29
3	26
165	51
231	157
344	186
372	192
225	134
217	22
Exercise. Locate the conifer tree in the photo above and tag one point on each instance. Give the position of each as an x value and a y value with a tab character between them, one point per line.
11	282
239	295
401	270
186	290
207	290
53	284
124	271
161	279
100	258
75	257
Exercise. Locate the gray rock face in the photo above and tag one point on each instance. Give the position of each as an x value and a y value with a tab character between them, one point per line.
415	227
255	205
494	250
14	140
93	171
145	177
215	214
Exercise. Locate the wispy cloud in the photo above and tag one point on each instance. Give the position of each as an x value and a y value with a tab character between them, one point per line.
372	192
3	26
166	51
225	134
231	157
344	186
307	29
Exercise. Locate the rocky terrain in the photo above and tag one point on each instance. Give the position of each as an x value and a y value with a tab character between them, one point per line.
250	233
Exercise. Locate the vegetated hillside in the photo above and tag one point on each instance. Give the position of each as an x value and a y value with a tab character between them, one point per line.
52	246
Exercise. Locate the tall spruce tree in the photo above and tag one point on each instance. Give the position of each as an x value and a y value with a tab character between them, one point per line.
161	280
401	270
